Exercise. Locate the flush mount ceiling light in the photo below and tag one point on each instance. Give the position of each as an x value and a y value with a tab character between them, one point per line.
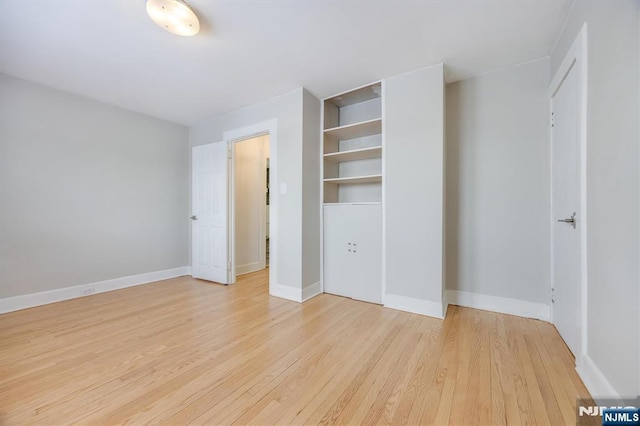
174	16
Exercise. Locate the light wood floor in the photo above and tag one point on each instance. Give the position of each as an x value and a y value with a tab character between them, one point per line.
187	351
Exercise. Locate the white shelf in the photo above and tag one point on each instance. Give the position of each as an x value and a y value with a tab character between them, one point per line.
361	94
354	203
355	154
355	179
357	130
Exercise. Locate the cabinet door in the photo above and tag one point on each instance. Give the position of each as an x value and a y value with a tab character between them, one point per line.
353	251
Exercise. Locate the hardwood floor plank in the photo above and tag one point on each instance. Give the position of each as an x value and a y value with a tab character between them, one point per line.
275	386
185	351
548	396
362	407
448	369
384	407
311	374
504	370
244	360
322	386
368	361
461	391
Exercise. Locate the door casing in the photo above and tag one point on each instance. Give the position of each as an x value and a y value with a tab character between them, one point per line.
269	127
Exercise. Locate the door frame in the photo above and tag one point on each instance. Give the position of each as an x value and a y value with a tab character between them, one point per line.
576	58
233	148
269	127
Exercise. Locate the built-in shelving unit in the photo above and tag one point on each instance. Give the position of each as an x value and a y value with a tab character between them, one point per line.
352	151
378	234
352	146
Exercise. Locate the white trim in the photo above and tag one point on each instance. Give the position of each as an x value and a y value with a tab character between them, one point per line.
383	189
596	382
504	305
551	209
576	57
16	303
321	160
262	261
285	292
269	127
295	294
231	234
310	291
249	267
445	302
413	305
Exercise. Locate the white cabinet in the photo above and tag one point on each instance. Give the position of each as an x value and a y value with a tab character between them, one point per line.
353	251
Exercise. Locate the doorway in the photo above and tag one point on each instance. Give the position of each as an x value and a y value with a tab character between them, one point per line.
250	206
270	128
213	210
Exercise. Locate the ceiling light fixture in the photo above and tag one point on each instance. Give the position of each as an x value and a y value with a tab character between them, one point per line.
174	16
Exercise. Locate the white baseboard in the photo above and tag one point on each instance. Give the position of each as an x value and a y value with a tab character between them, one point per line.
16	303
416	306
503	305
310	291
445	303
596	382
285	292
249	267
293	293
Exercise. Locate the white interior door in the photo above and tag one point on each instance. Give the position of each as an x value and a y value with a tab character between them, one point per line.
565	207
209	220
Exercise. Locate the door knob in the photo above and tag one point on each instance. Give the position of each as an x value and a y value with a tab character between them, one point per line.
571	220
194	217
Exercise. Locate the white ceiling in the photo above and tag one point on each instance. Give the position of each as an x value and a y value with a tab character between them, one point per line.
248	51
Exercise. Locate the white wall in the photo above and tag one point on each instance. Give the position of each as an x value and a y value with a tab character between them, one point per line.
498	184
613	214
311	189
414	187
250	203
288	110
88	192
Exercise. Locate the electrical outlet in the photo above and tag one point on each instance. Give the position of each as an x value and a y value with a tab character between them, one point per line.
88	291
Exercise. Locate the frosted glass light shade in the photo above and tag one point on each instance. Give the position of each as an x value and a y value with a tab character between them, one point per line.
174	16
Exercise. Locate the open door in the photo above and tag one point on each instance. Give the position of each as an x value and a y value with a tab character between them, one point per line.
565	198
209	209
